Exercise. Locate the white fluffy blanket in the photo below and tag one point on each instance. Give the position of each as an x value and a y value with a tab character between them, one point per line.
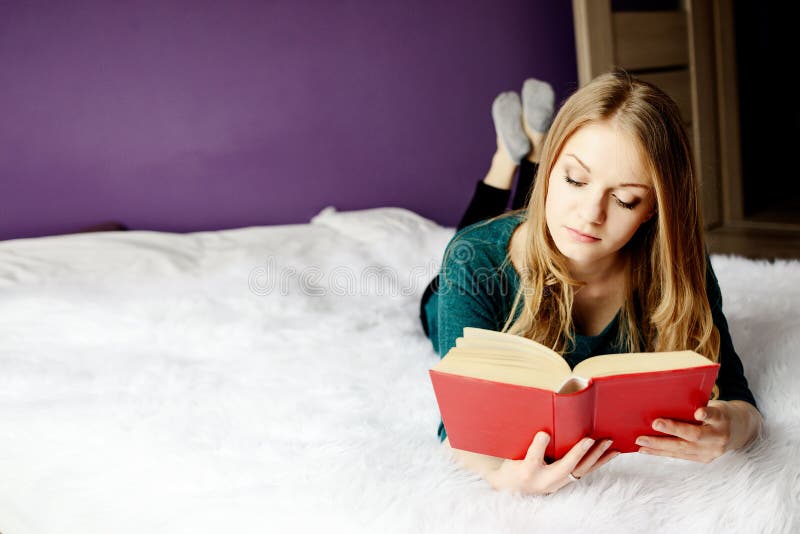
274	379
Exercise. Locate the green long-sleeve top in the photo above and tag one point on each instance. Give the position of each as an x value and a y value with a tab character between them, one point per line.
476	289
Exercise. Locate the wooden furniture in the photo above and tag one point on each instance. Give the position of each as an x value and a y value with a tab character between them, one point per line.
690	52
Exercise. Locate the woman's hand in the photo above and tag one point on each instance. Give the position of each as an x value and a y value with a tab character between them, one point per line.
533	476
727	425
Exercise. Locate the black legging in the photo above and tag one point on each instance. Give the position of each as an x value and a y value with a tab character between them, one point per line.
487	202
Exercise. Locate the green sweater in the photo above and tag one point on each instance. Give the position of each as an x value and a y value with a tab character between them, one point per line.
475	289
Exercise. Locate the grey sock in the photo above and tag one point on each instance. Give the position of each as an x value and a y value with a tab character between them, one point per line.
538	99
507	117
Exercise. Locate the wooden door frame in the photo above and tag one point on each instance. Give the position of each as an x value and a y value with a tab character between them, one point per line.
715	124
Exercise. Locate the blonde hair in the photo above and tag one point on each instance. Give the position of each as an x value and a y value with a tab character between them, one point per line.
665	305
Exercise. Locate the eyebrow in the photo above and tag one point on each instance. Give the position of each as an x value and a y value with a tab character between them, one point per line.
590	172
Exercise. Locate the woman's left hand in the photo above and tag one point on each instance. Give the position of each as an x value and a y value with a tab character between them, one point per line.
727	425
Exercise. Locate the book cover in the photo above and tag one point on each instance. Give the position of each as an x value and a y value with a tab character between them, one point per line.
500	419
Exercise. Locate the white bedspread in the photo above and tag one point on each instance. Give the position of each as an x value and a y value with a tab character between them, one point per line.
274	379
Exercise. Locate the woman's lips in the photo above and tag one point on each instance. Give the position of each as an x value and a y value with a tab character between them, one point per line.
581	238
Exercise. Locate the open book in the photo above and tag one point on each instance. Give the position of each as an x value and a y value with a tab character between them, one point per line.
496	391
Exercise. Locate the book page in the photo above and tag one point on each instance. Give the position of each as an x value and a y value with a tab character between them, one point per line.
485	336
507	358
640	362
524	371
572	384
493	347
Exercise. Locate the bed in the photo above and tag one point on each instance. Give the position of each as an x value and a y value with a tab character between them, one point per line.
272	379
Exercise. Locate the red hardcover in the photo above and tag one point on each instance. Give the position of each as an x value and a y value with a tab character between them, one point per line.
501	419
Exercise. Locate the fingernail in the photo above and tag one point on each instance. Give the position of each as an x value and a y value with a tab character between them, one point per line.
544	437
607	444
642	441
587	443
658	425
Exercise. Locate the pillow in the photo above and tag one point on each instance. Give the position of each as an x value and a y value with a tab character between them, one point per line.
376	224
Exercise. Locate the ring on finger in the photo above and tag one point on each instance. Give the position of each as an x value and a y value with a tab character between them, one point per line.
573	477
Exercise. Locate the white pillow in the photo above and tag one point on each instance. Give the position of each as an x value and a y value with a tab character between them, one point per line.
376	224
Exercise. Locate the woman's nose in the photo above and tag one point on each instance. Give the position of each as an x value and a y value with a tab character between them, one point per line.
593	210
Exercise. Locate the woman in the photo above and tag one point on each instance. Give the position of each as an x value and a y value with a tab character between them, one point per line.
607	256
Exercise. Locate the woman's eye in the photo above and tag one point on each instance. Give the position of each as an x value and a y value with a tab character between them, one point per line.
625	205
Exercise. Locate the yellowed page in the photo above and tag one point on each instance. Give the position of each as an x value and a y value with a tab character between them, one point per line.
617	364
510	373
490	337
500	352
492	347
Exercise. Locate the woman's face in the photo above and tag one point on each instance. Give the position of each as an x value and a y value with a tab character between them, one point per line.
599	193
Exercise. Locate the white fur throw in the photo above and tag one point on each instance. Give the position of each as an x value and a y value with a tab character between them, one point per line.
274	379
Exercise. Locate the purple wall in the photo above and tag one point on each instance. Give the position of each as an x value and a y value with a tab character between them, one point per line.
196	115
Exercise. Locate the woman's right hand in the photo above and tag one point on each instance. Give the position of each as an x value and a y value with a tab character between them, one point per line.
532	476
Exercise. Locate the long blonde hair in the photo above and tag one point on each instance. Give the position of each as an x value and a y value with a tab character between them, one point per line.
665	306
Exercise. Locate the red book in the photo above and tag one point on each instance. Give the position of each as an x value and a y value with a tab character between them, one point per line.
496	391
